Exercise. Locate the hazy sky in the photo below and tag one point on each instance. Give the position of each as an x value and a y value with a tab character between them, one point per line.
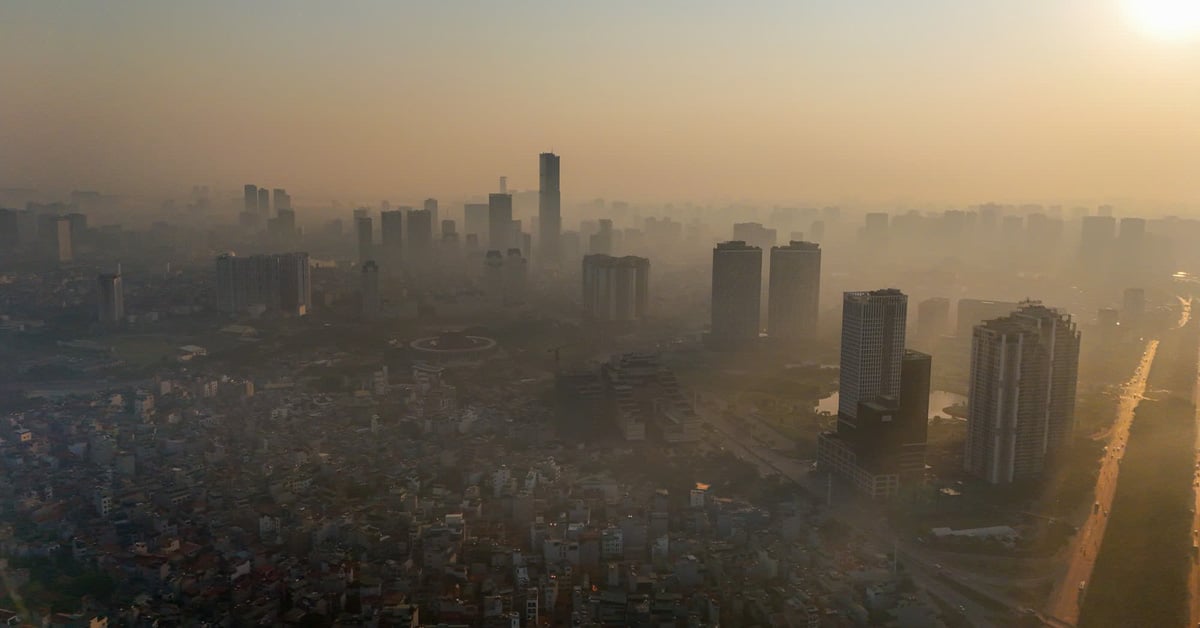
819	100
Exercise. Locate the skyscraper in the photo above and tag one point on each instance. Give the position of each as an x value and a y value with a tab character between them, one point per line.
500	218
420	234
391	227
276	283
1096	245
1021	399
883	404
549	208
251	198
281	199
873	327
56	234
736	292
615	288
370	291
431	206
264	201
793	295
366	238
475	219
110	298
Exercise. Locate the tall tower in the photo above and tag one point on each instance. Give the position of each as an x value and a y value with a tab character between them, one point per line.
391	227
475	220
366	238
615	288
431	206
370	290
1021	402
251	198
736	291
793	296
873	327
549	208
264	201
420	234
111	298
500	222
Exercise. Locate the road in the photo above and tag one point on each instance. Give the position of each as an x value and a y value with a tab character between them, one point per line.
1066	599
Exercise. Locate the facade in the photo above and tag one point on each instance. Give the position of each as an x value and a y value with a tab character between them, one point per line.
500	217
276	283
110	298
549	208
365	235
264	201
281	199
736	294
883	409
391	227
420	234
873	330
615	288
250	200
431	206
794	290
1021	404
475	219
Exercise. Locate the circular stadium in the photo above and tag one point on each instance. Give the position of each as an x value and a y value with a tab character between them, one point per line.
453	345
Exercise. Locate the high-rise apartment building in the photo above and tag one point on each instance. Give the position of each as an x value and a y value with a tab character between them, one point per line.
1021	399
500	217
616	288
794	289
420	234
264	201
736	294
391	227
873	329
883	404
549	209
110	298
366	238
251	198
431	206
475	219
275	283
1096	243
281	199
601	242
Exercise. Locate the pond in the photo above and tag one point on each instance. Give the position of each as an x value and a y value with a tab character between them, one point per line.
938	401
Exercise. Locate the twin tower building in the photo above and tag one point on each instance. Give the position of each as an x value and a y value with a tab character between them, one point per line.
793	293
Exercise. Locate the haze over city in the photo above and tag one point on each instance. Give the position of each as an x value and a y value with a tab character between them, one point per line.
614	314
930	102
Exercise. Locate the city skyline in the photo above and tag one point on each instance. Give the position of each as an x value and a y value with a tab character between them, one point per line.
829	103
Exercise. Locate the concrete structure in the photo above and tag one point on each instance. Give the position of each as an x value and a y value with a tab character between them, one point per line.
365	236
475	219
391	250
278	283
420	235
972	312
1021	404
250	200
110	298
736	294
549	209
873	329
500	217
883	407
794	291
615	288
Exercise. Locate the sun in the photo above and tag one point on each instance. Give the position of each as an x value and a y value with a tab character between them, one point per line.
1166	19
